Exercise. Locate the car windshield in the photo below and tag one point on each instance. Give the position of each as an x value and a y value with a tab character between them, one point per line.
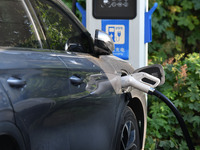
16	28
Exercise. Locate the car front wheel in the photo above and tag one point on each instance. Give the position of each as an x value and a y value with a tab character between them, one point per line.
129	132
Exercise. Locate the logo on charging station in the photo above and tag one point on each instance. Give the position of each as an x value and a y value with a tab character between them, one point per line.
119	32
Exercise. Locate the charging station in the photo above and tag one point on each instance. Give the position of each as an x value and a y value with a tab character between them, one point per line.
124	22
128	22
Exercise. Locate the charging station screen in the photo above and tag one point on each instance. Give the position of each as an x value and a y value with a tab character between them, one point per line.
114	9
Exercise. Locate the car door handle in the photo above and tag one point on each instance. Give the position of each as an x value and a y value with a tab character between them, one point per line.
75	80
16	82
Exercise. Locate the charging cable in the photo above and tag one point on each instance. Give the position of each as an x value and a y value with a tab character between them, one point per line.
146	83
177	114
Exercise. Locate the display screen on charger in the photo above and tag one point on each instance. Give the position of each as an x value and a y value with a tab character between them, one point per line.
114	9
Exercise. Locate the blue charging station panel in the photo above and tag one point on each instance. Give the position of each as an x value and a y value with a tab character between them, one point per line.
119	31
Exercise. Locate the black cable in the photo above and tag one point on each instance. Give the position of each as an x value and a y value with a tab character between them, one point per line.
178	116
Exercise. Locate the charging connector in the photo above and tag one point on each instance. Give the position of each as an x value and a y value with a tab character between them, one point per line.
137	80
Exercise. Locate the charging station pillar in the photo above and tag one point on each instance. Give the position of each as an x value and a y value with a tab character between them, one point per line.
124	21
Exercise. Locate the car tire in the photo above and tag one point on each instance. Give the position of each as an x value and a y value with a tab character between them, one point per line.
128	138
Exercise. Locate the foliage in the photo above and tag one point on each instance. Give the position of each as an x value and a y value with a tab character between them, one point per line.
183	88
175	30
69	4
175	25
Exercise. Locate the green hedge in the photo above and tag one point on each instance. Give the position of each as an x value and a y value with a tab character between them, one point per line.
175	25
182	86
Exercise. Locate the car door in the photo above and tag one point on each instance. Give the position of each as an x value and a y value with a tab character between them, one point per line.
92	101
94	106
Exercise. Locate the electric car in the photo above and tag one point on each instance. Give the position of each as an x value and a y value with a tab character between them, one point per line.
60	89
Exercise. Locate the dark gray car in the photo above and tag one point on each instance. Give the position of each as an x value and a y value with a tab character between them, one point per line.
59	88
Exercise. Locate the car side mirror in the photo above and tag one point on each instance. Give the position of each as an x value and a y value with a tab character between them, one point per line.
154	70
103	43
